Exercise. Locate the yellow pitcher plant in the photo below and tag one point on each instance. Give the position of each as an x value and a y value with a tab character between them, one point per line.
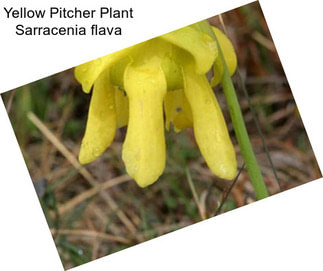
153	85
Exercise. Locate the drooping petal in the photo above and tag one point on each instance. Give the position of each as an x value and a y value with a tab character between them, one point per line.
177	110
144	151
101	123
229	57
201	46
87	73
209	125
122	107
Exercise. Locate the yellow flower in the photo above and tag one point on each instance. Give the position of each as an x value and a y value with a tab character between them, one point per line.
137	86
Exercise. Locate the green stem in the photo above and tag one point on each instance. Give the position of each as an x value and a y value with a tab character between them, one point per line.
242	135
239	126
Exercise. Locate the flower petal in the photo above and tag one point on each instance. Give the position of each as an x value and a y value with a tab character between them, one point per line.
144	151
201	46
101	123
87	73
172	71
209	125
229	57
122	107
168	53
117	71
177	110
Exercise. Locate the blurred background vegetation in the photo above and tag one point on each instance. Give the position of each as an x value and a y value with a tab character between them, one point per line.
97	210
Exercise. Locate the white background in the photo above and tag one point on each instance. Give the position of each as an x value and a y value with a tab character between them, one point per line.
283	232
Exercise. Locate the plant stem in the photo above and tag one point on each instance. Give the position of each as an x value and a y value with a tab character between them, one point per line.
241	132
239	127
242	135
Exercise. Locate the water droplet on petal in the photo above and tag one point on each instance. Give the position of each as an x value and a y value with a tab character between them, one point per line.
96	152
